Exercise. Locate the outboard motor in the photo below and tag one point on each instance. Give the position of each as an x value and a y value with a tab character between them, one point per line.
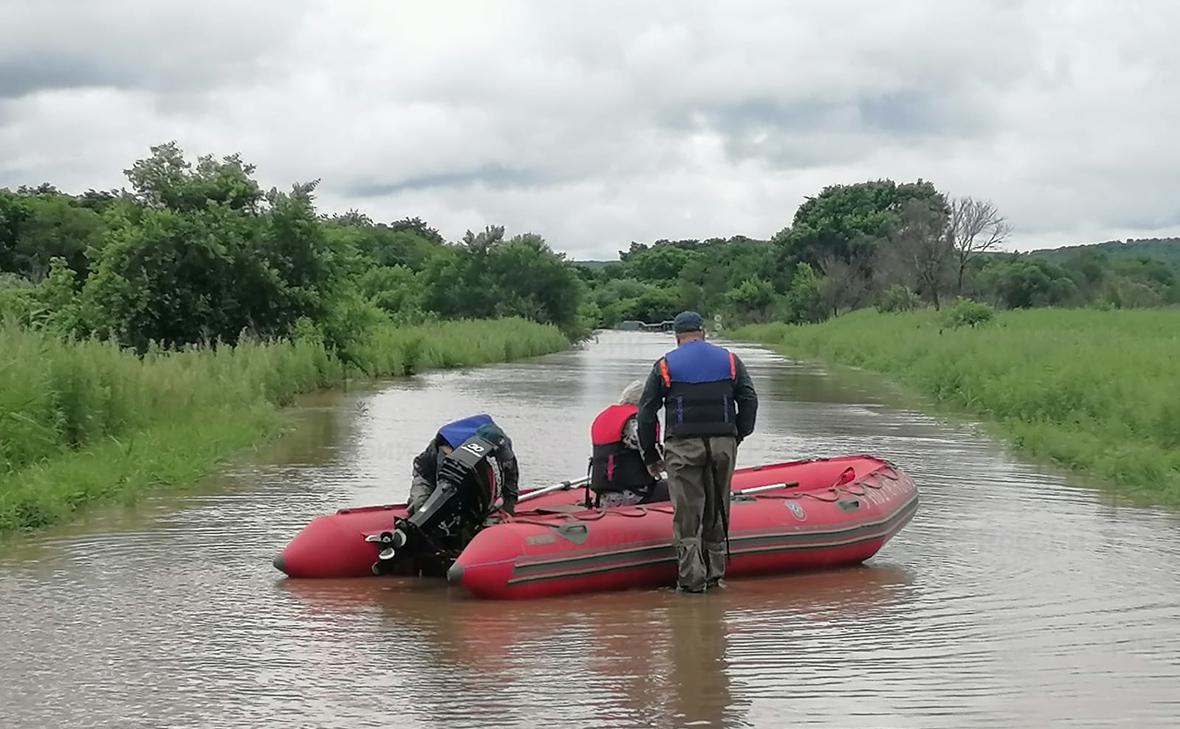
443	526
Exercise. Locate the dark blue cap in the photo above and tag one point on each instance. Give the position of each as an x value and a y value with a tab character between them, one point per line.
688	321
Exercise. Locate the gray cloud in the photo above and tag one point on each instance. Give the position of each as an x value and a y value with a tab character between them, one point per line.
20	76
165	47
493	176
598	123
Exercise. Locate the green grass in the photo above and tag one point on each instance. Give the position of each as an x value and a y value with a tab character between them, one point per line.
1097	392
85	422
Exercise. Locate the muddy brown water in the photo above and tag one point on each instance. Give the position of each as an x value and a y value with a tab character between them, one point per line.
1012	599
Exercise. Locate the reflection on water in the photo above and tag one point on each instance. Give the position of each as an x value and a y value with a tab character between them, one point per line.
1012	599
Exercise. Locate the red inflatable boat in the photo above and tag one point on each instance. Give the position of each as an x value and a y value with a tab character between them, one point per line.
784	517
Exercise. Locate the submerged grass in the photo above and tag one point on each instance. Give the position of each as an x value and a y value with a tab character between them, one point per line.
85	422
1097	392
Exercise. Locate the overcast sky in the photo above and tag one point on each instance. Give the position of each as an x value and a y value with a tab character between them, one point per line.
598	123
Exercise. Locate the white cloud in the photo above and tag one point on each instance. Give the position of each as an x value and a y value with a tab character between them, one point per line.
596	124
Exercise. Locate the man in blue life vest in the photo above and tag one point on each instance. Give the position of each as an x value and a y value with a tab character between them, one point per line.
467	465
709	407
618	474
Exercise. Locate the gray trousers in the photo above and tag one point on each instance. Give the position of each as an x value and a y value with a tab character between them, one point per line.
699	474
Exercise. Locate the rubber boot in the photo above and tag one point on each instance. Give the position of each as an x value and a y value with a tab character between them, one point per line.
691	566
714	555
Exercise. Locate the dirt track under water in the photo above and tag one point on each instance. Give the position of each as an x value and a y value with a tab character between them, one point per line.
1012	599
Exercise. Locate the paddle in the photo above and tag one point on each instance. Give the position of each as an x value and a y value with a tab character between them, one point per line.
768	487
563	486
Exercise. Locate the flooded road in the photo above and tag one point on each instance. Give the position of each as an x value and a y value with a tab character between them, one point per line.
1012	599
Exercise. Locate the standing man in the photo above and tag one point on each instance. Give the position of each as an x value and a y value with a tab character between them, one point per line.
709	407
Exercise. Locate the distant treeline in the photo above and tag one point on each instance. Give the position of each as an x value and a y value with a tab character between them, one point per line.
198	252
875	244
1162	249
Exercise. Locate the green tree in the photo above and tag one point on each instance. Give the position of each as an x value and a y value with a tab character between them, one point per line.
488	276
393	289
57	302
1020	282
804	300
660	264
58	227
418	227
180	272
1156	274
921	249
847	221
167	180
658	303
534	282
14	211
751	299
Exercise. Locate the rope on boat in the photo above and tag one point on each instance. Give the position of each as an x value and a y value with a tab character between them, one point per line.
829	495
868	482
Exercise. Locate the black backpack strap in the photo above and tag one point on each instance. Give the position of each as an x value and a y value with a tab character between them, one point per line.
586	496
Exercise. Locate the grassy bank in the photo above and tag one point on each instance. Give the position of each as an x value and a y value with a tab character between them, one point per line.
84	422
1093	391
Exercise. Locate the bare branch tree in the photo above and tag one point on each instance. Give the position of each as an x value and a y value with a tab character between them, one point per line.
920	250
975	227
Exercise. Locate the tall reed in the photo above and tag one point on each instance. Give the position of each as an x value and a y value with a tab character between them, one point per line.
1094	391
85	421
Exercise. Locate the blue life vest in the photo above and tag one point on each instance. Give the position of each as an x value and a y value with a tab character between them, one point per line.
458	432
699	378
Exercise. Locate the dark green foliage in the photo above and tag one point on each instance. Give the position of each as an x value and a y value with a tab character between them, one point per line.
1021	281
179	278
198	252
899	245
35	228
489	276
394	289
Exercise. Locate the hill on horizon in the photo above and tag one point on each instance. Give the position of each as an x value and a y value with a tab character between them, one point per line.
1164	249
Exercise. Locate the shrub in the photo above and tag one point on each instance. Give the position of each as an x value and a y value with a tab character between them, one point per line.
898	298
966	312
